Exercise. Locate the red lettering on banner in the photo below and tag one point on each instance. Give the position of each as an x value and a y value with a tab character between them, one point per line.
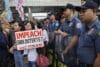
28	34
19	35
31	34
37	33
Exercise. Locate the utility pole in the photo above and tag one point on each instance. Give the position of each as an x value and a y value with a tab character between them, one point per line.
29	14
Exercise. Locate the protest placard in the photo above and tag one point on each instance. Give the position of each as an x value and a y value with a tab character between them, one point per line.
29	39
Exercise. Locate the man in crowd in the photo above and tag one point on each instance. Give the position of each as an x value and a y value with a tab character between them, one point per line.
53	23
89	41
52	26
18	56
69	30
45	24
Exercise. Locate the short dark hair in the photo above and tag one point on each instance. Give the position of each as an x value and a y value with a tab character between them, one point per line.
45	19
17	22
69	6
40	24
26	22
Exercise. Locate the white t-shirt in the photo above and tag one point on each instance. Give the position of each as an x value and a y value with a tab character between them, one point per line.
32	53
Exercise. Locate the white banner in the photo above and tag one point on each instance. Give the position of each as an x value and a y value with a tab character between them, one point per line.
29	39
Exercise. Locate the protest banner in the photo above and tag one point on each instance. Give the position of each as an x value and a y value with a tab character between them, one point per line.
29	39
19	8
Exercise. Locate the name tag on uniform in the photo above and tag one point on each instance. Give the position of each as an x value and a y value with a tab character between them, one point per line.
78	25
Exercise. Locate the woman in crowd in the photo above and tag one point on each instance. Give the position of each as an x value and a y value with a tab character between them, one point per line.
31	54
45	38
42	60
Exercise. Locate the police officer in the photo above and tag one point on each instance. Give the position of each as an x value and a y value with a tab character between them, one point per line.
70	31
53	23
89	41
52	26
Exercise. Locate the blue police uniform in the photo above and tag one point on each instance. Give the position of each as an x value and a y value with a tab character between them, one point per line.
71	27
89	42
45	27
52	26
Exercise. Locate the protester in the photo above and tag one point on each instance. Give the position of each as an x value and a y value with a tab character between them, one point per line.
43	60
18	55
31	54
45	23
45	34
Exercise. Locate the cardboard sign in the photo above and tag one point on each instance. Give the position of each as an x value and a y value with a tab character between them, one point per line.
29	39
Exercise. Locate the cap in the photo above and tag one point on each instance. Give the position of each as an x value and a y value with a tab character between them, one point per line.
89	4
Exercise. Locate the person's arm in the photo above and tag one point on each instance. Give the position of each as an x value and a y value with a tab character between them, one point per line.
64	34
97	61
5	24
75	37
71	44
97	50
12	48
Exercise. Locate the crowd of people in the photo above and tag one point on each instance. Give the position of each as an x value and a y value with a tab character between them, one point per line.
75	37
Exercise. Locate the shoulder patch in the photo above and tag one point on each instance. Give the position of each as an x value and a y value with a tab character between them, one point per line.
78	25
